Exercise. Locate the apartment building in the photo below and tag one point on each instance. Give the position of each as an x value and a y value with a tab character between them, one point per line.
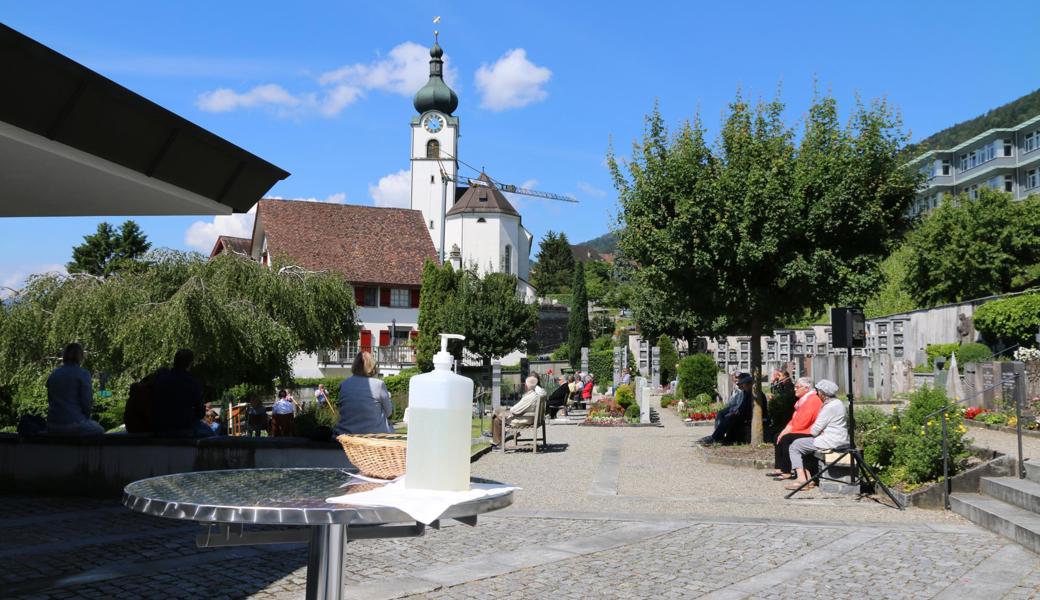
1006	159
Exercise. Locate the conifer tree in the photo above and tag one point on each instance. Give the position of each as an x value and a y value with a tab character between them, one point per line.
555	264
578	323
437	299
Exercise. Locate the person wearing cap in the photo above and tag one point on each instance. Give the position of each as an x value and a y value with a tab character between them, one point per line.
736	412
829	431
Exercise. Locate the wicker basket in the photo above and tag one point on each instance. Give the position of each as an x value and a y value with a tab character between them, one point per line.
380	455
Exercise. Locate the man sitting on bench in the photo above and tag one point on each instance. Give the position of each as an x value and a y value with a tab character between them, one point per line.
734	417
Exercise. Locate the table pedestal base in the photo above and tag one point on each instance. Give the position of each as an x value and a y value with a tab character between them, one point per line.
325	562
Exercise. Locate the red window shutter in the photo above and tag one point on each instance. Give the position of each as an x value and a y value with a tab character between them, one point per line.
384	337
415	298
384	296
366	340
359	296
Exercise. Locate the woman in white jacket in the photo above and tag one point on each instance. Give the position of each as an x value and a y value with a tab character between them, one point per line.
830	430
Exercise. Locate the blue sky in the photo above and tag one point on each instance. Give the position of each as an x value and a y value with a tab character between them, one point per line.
323	89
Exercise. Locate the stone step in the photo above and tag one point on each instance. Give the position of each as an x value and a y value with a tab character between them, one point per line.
999	517
1023	493
1032	470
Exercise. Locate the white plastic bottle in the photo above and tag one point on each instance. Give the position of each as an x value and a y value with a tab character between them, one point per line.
439	434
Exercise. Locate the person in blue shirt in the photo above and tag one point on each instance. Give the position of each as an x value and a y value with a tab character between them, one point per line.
364	401
70	396
736	413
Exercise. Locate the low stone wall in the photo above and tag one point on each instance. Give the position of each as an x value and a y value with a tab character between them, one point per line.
103	465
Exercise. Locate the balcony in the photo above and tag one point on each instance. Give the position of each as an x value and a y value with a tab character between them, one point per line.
386	356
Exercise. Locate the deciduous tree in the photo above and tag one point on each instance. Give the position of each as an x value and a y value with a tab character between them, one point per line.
489	311
761	229
969	248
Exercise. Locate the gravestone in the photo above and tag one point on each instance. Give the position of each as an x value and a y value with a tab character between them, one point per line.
644	357
617	365
584	359
655	367
643	399
496	385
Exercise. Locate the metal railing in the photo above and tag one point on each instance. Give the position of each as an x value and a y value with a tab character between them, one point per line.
1003	383
386	356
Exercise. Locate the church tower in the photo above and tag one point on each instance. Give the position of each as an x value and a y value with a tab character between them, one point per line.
435	136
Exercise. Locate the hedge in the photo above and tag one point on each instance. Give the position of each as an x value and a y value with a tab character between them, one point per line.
1010	320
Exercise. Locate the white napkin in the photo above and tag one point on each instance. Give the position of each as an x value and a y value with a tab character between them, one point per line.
425	506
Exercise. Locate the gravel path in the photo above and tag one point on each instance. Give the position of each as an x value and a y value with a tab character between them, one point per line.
661	471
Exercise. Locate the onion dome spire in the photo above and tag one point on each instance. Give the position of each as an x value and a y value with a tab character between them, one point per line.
436	95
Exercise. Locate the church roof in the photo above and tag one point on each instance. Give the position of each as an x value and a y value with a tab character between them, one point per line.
483	199
367	244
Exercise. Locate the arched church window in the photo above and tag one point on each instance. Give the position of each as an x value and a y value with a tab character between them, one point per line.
481	220
507	259
433	149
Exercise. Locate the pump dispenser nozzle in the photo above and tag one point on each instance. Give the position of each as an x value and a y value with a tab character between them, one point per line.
443	358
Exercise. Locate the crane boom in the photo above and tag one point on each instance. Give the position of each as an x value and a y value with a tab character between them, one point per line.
512	189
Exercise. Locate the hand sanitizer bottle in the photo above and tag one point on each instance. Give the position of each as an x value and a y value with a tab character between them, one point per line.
439	433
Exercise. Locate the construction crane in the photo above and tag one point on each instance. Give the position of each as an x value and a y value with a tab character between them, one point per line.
512	189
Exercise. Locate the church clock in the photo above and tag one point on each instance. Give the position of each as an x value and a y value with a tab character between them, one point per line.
433	123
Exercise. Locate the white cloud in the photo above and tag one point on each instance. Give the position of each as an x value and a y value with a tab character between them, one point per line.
201	235
393	190
590	189
16	277
226	100
403	71
511	82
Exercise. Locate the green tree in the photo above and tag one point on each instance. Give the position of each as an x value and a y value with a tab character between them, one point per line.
436	301
669	358
892	297
1009	320
492	315
244	321
597	280
578	322
969	248
107	251
761	230
555	264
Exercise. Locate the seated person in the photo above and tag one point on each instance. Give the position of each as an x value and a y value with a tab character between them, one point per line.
364	401
213	420
805	410
558	399
177	406
70	396
730	420
283	415
521	413
256	417
829	431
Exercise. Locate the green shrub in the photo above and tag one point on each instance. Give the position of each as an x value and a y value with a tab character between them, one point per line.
601	364
624	396
697	375
919	446
561	353
701	403
632	412
669	358
877	433
603	343
992	418
314	416
1011	320
667	400
398	387
966	353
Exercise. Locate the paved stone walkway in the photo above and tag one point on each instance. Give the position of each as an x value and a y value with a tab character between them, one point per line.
608	512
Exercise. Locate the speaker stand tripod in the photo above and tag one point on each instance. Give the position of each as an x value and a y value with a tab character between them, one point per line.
859	467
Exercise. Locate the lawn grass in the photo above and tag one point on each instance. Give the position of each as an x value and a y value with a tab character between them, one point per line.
475	432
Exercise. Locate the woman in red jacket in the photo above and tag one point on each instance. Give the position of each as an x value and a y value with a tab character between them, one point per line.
586	392
805	410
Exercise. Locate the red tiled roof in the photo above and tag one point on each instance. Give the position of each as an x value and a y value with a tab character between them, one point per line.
234	244
365	243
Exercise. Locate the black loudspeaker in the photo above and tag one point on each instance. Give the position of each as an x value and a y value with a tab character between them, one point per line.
848	328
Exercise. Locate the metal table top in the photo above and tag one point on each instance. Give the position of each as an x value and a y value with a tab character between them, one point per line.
273	497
